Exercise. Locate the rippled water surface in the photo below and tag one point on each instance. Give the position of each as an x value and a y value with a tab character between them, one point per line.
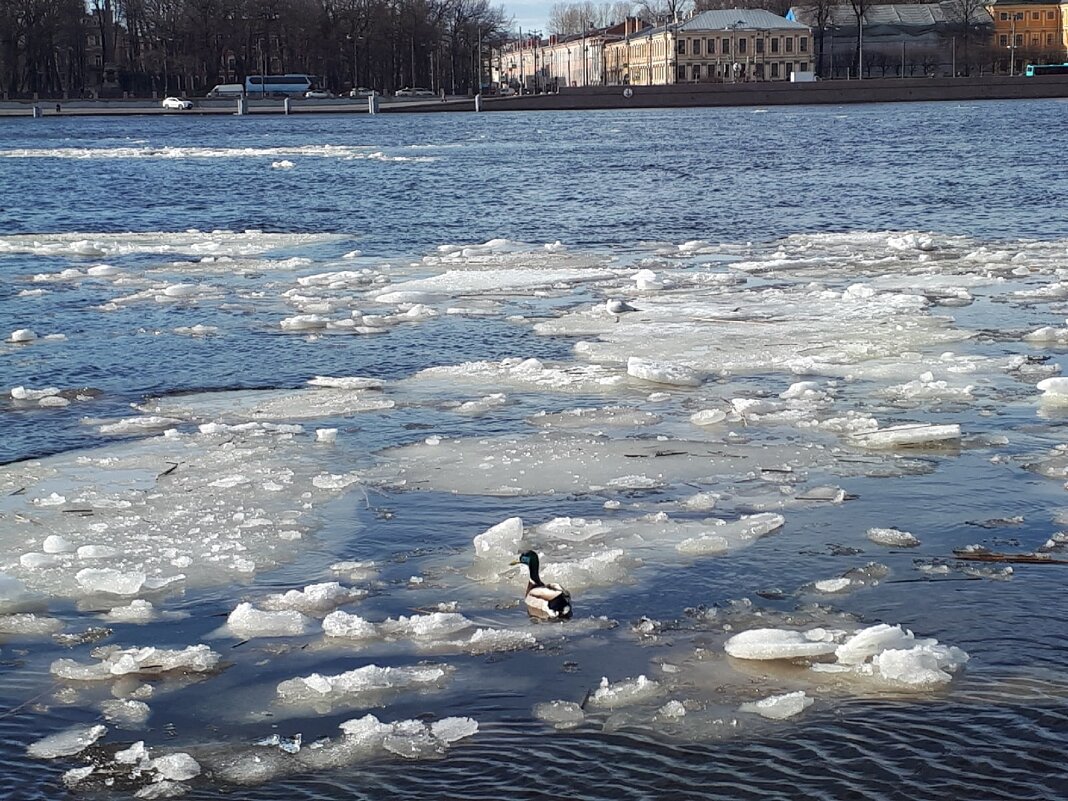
907	260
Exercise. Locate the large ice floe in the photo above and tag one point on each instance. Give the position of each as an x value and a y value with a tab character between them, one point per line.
743	386
170	511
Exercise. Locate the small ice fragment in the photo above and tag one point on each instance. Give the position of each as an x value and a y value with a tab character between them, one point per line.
110	581
629	691
66	743
22	335
672	709
832	585
54	543
247	622
775	644
780	707
708	417
561	714
175	767
326	435
662	372
449	730
892	537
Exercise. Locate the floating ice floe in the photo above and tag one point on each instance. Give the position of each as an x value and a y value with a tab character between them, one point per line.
560	714
909	436
66	743
116	661
1054	390
22	335
623	693
366	685
361	739
780	707
881	656
268	404
436	631
893	537
663	372
247	622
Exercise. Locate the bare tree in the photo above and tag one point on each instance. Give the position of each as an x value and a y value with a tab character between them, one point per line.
817	14
968	20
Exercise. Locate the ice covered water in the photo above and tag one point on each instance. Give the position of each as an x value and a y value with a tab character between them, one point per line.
273	480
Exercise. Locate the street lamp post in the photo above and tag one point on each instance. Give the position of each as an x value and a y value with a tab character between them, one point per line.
352	37
1012	43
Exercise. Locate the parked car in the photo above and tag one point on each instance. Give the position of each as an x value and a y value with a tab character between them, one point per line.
414	91
362	91
317	94
177	103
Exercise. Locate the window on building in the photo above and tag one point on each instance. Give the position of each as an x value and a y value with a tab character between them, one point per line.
98	61
775	70
1019	40
1034	40
789	44
1049	38
804	44
1050	15
1005	15
774	44
1035	15
710	46
760	71
725	46
759	44
681	72
804	66
697	47
742	45
697	72
682	47
1003	40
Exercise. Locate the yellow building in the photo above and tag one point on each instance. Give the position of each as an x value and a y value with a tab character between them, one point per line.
1030	32
731	45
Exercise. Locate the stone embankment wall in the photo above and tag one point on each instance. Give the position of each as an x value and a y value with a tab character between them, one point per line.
1001	87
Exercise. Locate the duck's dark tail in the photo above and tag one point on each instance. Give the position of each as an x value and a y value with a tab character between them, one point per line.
561	605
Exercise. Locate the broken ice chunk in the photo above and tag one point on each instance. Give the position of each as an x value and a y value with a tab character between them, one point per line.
892	537
905	436
560	714
66	743
779	644
247	622
780	707
662	372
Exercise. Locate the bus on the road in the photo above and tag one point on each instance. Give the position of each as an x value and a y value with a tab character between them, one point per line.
273	85
1046	69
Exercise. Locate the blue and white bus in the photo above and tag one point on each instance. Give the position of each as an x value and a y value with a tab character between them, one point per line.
1046	69
289	84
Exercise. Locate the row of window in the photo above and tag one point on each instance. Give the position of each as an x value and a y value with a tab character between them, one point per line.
1005	16
694	72
1036	40
742	44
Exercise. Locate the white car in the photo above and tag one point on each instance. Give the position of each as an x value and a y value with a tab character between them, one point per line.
317	94
416	91
177	103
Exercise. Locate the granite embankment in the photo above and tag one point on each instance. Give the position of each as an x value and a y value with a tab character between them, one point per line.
892	90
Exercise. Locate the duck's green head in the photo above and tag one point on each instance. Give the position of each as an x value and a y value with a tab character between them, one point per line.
530	559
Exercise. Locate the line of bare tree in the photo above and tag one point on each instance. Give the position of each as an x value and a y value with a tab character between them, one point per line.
54	47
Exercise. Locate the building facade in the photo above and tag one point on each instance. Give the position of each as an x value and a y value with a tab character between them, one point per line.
719	46
1030	32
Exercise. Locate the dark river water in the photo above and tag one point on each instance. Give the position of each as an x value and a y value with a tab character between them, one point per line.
608	186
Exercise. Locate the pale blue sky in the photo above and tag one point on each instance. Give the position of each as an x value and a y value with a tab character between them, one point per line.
528	14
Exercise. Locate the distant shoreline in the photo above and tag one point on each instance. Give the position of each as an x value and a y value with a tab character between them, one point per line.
888	90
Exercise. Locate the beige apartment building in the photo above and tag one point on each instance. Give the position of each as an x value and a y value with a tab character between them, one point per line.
724	46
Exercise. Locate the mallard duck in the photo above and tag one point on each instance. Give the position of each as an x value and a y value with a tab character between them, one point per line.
545	601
